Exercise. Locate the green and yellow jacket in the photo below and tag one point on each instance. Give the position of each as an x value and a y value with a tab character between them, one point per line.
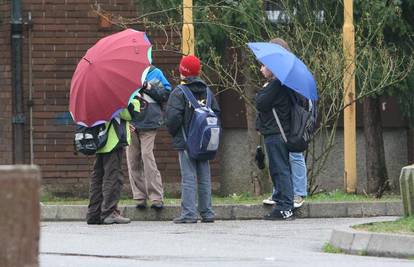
119	134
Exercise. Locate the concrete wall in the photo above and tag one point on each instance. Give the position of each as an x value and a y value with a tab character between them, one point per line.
234	162
235	170
395	146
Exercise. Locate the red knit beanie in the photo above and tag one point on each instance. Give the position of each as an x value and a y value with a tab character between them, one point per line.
189	66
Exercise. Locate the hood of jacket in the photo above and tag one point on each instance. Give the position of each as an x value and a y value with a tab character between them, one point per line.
196	84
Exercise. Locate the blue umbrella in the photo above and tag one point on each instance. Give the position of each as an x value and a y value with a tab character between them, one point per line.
289	69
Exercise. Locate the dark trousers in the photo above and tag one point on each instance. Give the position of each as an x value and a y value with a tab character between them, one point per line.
279	168
105	185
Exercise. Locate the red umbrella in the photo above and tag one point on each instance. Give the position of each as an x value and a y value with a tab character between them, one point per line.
108	75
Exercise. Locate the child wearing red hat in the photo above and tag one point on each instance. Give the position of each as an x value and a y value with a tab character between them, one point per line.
178	116
189	66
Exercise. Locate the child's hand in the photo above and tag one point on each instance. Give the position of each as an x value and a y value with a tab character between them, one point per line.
131	128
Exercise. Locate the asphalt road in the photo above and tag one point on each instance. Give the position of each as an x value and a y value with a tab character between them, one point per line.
223	243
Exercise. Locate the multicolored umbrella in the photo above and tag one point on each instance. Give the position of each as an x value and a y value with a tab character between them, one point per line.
108	76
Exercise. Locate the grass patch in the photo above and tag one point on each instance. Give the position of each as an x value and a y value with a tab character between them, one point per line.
400	226
328	248
339	196
125	200
244	198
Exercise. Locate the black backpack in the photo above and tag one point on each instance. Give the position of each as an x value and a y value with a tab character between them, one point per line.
89	139
302	122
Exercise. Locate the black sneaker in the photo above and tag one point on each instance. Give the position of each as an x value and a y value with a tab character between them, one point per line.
184	220
157	205
141	204
94	221
207	220
279	215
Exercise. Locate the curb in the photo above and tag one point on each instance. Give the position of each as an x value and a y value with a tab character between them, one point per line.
235	212
372	244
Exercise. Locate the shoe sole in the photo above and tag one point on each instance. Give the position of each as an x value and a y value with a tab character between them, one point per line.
291	218
157	208
297	205
268	203
186	221
114	222
207	221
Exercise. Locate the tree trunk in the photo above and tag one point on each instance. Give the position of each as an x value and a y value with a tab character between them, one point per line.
259	178
376	169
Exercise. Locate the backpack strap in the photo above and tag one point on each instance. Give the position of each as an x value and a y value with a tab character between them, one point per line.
279	125
189	95
209	97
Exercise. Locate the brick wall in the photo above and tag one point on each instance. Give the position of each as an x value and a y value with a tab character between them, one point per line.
62	32
5	85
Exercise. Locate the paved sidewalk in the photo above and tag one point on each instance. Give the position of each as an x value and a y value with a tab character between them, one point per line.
234	243
237	212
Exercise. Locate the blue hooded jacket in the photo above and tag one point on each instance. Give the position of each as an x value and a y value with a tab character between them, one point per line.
151	116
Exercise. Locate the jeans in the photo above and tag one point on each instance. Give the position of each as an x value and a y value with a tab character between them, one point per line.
299	175
279	168
192	171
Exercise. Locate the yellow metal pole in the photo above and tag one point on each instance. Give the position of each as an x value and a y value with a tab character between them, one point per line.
350	175
188	28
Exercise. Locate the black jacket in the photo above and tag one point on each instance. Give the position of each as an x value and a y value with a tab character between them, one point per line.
179	111
273	95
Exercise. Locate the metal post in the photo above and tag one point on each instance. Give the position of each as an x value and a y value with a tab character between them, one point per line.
188	28
18	118
350	175
30	102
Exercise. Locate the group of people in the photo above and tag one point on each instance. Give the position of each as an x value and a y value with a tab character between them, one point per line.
136	127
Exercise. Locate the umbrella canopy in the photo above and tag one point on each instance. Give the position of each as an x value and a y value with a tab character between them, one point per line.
289	69
108	76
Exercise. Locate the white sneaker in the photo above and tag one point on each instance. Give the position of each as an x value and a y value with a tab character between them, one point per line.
298	201
269	201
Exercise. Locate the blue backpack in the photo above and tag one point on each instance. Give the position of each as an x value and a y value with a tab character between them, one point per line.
203	134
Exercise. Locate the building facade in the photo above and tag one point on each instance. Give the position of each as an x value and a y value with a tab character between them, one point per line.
40	47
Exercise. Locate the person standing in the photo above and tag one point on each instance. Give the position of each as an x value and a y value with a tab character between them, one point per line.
193	172
107	179
296	161
275	95
144	176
